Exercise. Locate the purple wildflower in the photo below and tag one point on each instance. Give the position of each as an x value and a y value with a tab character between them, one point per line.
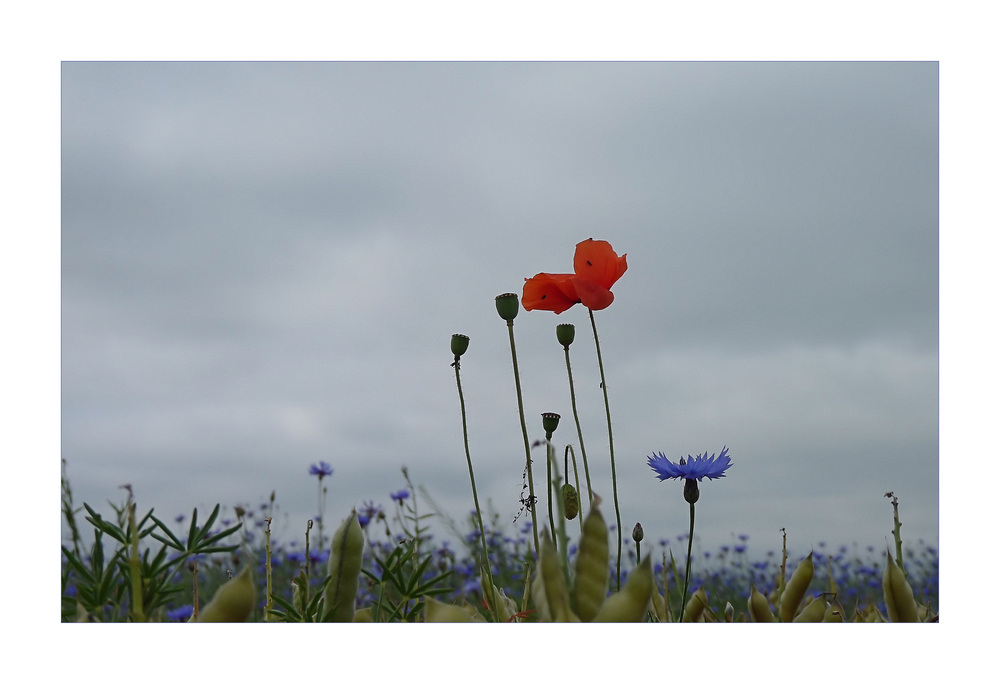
695	468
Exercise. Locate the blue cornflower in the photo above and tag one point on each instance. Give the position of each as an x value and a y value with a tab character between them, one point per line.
400	495
369	510
321	470
363	520
180	614
695	468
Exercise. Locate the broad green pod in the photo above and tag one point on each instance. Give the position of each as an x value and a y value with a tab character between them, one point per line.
834	612
233	601
436	611
899	601
344	568
474	614
695	606
571	501
497	602
660	607
759	609
363	615
814	611
549	586
796	589
631	603
592	569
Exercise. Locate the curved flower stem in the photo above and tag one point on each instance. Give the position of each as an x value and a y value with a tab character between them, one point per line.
524	432
472	476
579	432
687	570
611	442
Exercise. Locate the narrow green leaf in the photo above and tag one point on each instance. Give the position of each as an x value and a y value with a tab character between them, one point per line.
170	534
167	542
191	540
216	537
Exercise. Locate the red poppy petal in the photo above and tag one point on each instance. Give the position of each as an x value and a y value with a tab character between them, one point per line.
596	260
591	294
544	292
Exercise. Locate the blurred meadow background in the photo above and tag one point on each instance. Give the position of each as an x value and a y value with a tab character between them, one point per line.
263	265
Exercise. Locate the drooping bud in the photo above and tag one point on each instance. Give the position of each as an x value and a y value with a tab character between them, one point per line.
637	533
565	333
550	421
691	492
507	305
459	343
571	501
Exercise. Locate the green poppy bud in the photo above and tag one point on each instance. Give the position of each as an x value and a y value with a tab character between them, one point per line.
571	501
550	421
459	343
637	533
565	333
507	305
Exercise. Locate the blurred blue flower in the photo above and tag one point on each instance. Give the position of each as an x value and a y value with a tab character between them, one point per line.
363	520
321	470
400	496
740	548
695	468
179	518
180	614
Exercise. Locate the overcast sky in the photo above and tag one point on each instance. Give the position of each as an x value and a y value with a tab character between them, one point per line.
263	264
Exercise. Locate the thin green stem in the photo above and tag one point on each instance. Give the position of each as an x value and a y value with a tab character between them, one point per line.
267	560
135	566
562	540
319	506
687	570
524	432
576	476
472	476
611	442
579	432
550	493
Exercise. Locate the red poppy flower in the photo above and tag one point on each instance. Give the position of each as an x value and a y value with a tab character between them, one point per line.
597	268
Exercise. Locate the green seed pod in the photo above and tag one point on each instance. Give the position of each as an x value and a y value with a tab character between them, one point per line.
571	501
233	601
459	344
759	609
363	615
344	568
565	333
899	601
436	611
550	421
549	586
834	612
631	603
592	570
507	306
660	607
497	602
695	606
796	589
814	611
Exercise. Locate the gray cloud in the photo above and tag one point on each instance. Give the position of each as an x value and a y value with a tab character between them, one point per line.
263	263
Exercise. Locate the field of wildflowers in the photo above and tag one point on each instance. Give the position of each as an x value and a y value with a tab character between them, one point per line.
559	561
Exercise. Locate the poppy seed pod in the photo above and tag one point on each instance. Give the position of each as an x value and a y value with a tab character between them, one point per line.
571	501
637	533
507	305
565	333
550	421
459	344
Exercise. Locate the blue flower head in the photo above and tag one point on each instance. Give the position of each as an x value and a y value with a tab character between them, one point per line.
695	468
400	495
321	470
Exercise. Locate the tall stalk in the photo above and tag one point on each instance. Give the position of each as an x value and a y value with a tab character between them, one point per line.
611	442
